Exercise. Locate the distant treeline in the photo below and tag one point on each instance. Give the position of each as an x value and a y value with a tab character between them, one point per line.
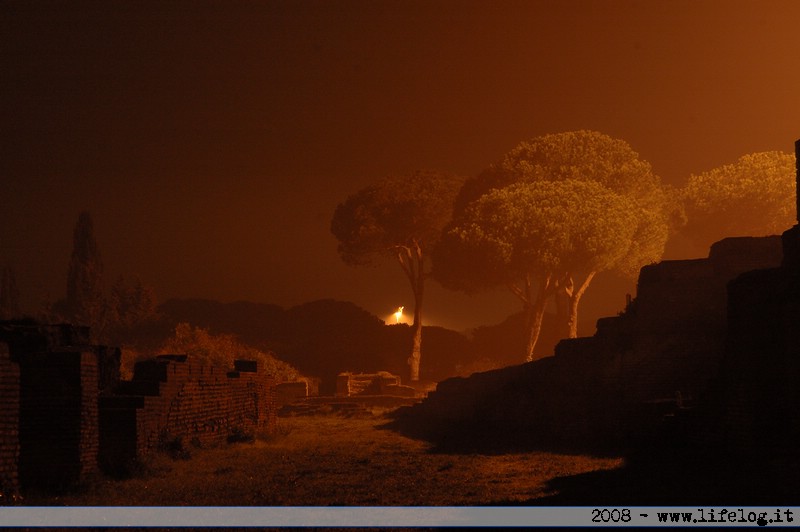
325	337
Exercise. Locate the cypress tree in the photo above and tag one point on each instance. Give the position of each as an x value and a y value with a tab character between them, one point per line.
85	275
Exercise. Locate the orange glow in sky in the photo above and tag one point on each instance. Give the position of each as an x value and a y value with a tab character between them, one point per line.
211	141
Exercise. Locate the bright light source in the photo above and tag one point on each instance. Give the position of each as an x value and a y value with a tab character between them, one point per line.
398	315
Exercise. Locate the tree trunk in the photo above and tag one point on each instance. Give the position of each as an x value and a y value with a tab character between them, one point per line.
416	347
413	264
534	310
574	301
535	315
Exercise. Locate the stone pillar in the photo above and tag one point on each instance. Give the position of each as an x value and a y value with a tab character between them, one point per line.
58	418
9	425
89	443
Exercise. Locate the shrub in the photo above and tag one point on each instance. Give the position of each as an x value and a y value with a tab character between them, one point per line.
223	349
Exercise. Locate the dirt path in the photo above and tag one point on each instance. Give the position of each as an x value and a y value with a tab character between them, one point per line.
333	460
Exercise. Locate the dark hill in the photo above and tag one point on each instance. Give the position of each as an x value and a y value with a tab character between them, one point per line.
251	322
325	337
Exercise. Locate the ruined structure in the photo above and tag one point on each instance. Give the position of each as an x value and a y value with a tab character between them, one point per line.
707	355
758	400
380	383
658	356
9	423
51	379
64	413
288	392
173	400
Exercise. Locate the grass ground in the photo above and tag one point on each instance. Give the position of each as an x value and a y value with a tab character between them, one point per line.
333	460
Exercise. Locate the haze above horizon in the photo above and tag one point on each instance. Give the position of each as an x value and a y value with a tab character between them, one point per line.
212	141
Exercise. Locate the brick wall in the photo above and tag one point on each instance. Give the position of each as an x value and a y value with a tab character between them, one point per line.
58	430
254	406
9	424
174	400
289	392
678	321
88	444
349	384
64	412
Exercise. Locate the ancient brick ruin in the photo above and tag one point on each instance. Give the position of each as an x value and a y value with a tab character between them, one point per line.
706	356
173	400
65	413
758	400
9	423
655	358
50	383
289	392
380	383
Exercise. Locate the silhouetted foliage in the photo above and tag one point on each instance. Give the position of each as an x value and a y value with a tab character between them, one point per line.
126	317
222	349
755	196
251	322
400	218
84	303
131	307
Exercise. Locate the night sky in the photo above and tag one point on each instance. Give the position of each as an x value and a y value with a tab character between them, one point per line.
211	141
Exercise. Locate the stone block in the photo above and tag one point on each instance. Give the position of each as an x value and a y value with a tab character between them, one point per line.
289	392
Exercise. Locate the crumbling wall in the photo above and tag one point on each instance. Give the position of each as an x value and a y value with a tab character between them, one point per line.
288	392
254	405
63	410
380	383
175	400
349	384
182	399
